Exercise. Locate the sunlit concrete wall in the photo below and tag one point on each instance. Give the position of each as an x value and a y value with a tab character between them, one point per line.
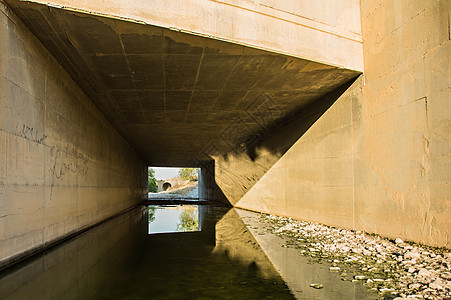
62	165
322	30
379	158
402	156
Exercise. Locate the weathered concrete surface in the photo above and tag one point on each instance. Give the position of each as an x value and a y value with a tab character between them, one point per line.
178	98
403	141
326	31
379	158
63	167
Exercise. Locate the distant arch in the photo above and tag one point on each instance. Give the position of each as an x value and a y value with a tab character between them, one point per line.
166	185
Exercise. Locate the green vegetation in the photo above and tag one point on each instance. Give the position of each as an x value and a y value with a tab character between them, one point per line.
152	182
188	173
188	221
152	213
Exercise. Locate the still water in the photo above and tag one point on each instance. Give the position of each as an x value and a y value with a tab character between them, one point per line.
169	252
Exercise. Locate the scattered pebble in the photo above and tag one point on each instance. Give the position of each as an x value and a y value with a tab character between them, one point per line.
414	286
398	241
399	269
317	285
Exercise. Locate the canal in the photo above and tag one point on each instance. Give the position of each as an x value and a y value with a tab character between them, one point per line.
175	252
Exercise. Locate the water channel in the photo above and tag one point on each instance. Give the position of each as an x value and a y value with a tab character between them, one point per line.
175	252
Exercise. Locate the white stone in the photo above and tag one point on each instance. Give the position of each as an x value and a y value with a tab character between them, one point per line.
399	241
424	273
316	285
414	286
436	285
446	276
413	254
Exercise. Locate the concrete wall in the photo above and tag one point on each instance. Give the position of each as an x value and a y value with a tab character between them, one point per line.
62	165
403	146
302	169
379	158
207	186
321	30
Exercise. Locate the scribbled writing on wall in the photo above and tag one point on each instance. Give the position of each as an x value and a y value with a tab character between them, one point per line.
64	163
29	132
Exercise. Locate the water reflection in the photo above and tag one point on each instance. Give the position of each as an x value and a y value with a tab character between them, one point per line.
120	260
175	218
81	267
223	258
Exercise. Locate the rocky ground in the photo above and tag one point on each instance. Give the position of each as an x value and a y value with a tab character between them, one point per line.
188	189
395	269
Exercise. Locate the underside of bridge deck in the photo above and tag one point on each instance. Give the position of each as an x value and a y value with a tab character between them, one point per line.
174	96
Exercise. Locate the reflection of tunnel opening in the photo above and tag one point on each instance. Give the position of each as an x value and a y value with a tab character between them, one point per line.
166	185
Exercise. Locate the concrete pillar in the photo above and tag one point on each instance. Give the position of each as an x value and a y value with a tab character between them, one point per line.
208	188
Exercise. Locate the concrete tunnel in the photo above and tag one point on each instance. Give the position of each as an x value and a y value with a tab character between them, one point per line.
166	185
271	106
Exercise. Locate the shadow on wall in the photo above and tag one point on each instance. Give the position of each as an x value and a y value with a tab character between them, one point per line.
208	188
238	171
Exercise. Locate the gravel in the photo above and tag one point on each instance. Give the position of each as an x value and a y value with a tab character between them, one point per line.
395	269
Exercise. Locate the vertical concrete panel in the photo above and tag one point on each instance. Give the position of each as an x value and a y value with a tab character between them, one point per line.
438	91
406	74
3	158
208	187
396	163
63	167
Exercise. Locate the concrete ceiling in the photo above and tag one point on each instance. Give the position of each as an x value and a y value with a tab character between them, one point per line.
177	98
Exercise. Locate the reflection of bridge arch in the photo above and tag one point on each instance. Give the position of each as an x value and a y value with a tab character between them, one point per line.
166	185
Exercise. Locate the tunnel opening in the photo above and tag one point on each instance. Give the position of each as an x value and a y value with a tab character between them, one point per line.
173	183
166	185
